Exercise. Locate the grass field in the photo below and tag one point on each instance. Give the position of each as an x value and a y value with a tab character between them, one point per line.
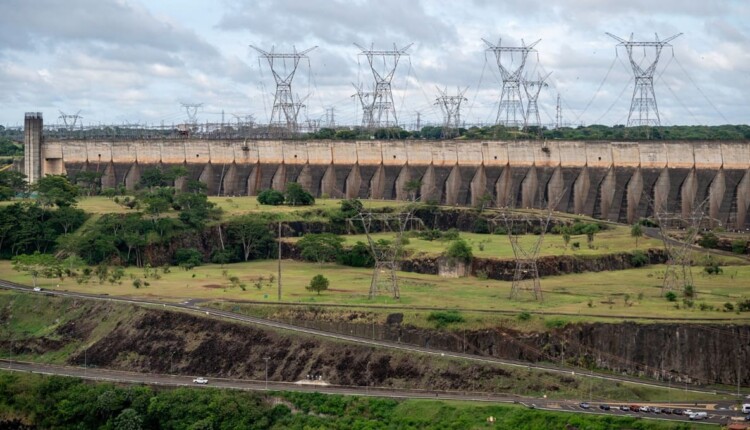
627	293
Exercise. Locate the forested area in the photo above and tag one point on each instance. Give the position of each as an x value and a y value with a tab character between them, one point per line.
36	401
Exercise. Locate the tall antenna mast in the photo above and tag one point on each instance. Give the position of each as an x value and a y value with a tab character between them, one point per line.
643	107
558	113
383	107
510	113
285	108
532	90
451	107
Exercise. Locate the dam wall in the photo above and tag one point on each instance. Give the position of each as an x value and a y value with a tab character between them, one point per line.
617	181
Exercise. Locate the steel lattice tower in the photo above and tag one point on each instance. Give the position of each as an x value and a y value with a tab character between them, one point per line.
70	120
532	90
451	108
510	113
191	109
383	108
643	107
387	255
364	100
285	108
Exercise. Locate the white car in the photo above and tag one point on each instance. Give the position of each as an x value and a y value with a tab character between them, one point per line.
698	416
37	289
201	381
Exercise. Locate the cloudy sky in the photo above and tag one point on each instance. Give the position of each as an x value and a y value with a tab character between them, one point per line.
131	61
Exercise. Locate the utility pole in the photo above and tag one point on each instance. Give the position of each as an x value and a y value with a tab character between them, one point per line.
643	108
279	277
419	121
558	113
510	112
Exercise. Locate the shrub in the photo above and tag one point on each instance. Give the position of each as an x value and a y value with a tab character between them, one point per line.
358	255
555	323
297	196
638	258
743	306
450	234
318	283
482	275
712	267
459	250
443	318
187	258
728	307
689	291
670	296
739	246
524	316
320	247
709	240
575	245
270	197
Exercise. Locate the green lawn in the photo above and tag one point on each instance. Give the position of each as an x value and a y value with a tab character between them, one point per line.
599	294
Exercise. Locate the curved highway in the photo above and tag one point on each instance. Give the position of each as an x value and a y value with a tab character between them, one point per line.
191	306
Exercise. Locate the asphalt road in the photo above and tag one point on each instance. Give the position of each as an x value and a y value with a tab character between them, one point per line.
193	306
116	376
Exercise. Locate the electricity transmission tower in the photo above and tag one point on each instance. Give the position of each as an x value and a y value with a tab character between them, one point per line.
678	273
525	252
510	113
70	120
283	67
532	90
451	107
643	107
191	109
387	254
558	113
331	117
364	100
383	107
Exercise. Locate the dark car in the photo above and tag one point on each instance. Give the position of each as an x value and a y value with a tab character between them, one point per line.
747	418
604	407
678	411
667	411
584	405
635	408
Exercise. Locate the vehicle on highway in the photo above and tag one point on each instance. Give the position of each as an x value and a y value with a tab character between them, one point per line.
604	407
747	417
200	380
584	405
667	411
644	409
656	410
677	411
698	416
37	289
635	408
746	408
624	408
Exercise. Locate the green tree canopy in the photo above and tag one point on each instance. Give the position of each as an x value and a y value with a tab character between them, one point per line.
56	190
318	283
37	265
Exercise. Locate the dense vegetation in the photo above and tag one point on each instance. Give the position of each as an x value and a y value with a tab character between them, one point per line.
67	403
591	132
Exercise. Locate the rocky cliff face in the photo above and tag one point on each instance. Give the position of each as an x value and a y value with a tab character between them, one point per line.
685	353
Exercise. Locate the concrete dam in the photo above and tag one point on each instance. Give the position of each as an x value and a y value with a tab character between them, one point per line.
617	181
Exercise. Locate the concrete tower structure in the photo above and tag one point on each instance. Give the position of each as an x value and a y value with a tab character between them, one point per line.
32	142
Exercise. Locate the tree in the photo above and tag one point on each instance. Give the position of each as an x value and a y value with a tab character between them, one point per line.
129	419
565	231
295	195
320	247
11	183
36	265
590	230
187	258
55	190
318	283
252	235
459	250
270	197
636	231
412	188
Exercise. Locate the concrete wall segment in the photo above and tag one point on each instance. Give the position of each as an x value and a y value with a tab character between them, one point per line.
653	155
680	156
735	155
626	154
